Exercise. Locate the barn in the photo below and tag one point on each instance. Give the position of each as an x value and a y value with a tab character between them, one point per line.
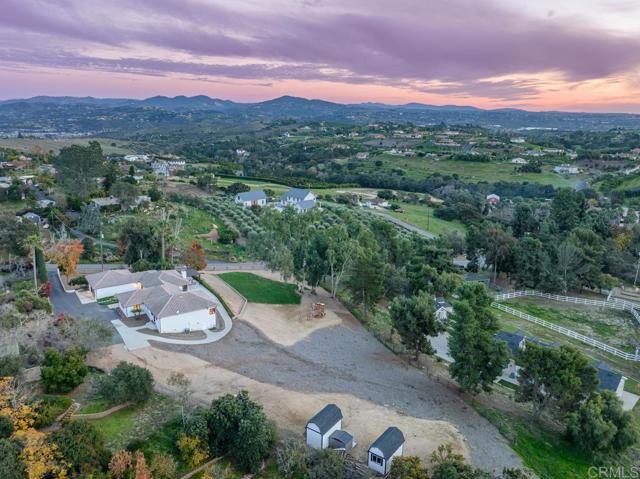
384	449
321	426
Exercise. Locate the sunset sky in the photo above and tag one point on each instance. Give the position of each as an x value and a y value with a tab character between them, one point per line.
576	55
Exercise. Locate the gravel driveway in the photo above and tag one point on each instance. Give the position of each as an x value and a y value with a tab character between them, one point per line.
347	359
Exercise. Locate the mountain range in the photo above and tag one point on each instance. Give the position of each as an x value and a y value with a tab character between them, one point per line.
289	107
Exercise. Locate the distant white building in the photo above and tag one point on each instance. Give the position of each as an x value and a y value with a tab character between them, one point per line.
519	161
135	158
493	199
251	198
517	140
161	168
363	155
443	309
296	196
566	170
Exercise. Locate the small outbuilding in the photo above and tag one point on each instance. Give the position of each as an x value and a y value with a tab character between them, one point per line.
341	440
321	426
384	449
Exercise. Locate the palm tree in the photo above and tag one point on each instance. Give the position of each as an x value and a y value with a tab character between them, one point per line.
32	242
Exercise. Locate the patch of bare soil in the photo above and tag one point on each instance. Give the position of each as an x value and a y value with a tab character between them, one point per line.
290	410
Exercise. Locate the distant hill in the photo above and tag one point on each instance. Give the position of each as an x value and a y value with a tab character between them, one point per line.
26	113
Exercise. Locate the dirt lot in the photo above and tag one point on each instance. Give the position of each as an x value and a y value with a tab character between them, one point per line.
294	367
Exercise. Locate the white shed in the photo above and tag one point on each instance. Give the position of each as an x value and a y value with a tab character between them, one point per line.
384	449
322	425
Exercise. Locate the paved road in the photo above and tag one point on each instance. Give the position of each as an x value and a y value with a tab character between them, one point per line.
68	303
404	225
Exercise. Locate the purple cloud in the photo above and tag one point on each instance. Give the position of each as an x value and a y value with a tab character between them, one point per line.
402	43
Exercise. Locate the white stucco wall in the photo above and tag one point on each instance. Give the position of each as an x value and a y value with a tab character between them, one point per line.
194	321
113	290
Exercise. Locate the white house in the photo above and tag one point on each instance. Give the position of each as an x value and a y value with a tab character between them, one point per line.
519	161
251	198
322	425
384	449
566	170
515	342
493	199
161	168
296	195
362	155
162	295
443	309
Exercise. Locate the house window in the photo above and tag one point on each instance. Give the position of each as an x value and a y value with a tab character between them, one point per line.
377	459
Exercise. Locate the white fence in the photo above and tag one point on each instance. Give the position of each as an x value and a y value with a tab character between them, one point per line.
560	329
615	303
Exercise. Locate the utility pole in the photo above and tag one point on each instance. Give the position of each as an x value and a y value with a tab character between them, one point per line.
101	252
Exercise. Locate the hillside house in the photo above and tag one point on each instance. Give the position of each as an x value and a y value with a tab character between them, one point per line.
520	161
381	453
443	309
163	296
160	168
566	170
302	200
251	198
493	199
321	426
609	380
515	342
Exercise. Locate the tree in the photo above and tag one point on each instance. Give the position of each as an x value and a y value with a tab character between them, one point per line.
239	427
77	168
183	393
120	463
478	356
90	218
41	459
126	383
41	267
568	208
154	193
531	261
499	244
63	371
139	240
66	253
206	181
601	426
10	366
415	320
194	256
448	465
569	264
82	446
366	277
554	377
32	242
126	192
11	467
6	427
14	234
234	188
407	467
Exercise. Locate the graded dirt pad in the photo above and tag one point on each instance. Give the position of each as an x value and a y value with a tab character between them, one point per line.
291	409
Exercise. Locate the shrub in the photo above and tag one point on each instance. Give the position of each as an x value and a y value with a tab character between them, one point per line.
291	458
325	464
163	466
192	451
227	236
10	366
63	371
6	426
127	382
79	281
48	408
82	446
11	467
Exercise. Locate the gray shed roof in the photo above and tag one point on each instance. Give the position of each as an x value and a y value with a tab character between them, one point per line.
609	379
343	437
513	340
306	205
252	195
389	441
326	418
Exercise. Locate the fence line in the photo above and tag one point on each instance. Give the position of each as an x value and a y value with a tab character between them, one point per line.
560	329
615	303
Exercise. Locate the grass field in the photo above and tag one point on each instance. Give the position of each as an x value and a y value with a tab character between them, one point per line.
418	167
545	452
25	144
422	217
254	184
616	328
261	290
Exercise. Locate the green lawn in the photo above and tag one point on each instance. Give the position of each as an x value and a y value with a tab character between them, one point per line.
261	290
543	451
94	405
135	422
422	217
